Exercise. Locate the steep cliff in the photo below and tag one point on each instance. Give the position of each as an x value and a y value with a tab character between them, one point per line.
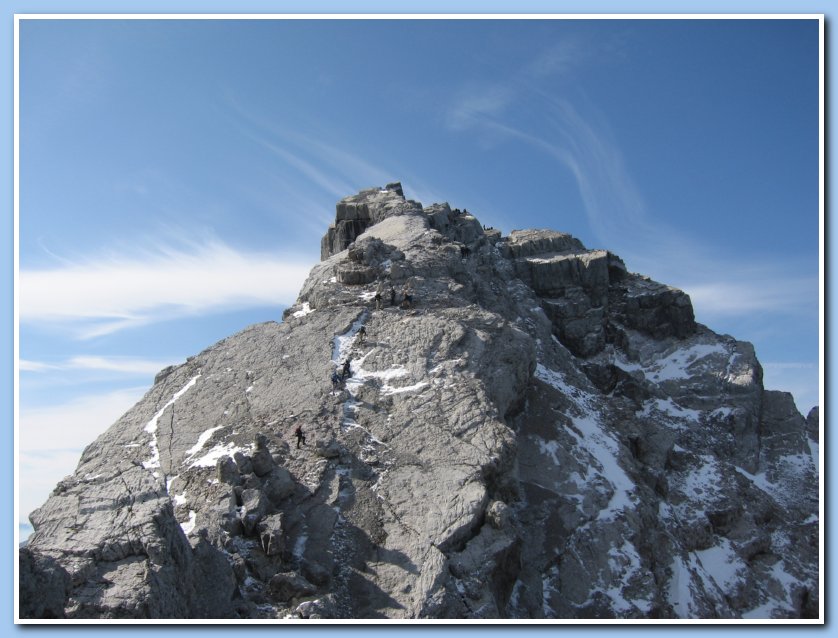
539	434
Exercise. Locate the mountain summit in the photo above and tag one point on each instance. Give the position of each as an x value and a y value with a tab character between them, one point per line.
448	423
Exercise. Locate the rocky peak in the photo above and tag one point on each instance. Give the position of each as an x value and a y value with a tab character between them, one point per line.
448	423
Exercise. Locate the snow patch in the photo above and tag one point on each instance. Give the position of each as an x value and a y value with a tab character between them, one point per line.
589	434
669	407
814	452
189	525
207	434
306	309
343	343
211	458
677	365
722	564
387	390
151	426
680	592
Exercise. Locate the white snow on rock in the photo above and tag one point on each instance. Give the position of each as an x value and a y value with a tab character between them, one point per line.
625	560
189	525
705	483
306	309
389	390
343	343
680	589
668	407
677	365
601	446
814	451
151	426
205	436
210	458
788	471
722	564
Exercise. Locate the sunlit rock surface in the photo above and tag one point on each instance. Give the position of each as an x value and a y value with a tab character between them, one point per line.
539	434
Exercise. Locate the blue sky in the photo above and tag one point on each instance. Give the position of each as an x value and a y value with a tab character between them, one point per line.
176	177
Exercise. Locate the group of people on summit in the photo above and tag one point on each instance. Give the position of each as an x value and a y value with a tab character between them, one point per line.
407	297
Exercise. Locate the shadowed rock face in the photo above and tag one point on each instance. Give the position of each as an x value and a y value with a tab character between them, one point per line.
539	434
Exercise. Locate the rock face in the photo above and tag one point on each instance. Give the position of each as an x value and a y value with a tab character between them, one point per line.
539	434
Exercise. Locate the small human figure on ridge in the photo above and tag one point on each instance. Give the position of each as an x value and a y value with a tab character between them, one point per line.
298	432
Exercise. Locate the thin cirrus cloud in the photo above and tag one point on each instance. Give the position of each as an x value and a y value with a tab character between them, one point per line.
121	365
326	166
100	296
51	439
754	294
518	110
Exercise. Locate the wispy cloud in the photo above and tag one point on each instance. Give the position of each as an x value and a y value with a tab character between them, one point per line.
325	165
52	439
338	168
330	182
518	110
560	58
121	365
751	294
476	104
104	294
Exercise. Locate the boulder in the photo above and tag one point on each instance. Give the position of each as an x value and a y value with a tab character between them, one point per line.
254	506
272	534
44	585
278	485
288	586
226	471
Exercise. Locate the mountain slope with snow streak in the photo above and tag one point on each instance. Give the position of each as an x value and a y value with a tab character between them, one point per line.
540	434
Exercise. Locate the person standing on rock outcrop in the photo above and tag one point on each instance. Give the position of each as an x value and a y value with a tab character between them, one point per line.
392	296
347	368
298	432
335	380
407	296
378	300
362	331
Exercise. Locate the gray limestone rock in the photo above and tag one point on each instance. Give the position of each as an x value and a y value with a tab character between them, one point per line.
253	509
285	587
271	535
540	434
44	586
813	422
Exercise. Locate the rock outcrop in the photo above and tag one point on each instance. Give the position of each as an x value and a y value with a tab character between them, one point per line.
537	433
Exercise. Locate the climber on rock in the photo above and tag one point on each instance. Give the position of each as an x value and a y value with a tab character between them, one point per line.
347	370
298	432
378	300
362	334
335	380
392	296
407	297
